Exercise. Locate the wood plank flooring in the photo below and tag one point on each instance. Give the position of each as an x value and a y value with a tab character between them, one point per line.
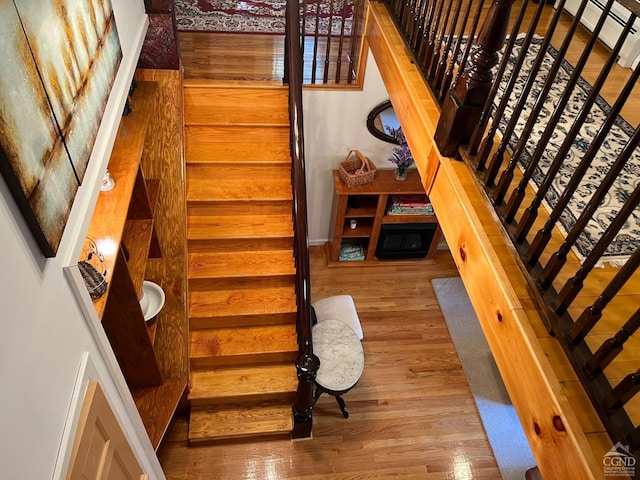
411	415
215	56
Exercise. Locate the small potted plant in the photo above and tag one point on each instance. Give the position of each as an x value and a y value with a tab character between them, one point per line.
401	154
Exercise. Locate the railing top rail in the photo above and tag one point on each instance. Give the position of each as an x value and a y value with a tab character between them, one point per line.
307	363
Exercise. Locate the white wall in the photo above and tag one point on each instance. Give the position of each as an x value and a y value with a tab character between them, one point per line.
335	122
43	333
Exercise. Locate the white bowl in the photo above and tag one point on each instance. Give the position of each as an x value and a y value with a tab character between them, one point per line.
155	296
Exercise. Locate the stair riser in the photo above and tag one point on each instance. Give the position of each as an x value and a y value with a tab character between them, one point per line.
242	321
242	283
239	244
243	360
241	227
277	397
265	207
262	435
232	171
197	276
209	98
235	116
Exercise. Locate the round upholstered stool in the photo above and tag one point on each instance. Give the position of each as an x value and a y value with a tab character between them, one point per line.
341	360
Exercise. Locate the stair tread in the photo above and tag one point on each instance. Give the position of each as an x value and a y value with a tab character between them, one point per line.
254	153
223	105
213	143
221	342
266	300
211	227
211	424
251	381
238	264
232	182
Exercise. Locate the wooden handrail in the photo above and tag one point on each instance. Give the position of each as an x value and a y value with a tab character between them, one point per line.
307	363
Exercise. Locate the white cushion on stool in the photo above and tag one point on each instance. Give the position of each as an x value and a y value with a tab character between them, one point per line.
339	307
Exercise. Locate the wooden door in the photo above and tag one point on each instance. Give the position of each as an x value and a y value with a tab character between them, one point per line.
100	449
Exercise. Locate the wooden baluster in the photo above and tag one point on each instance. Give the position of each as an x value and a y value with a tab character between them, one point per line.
437	53
573	286
623	392
463	105
407	14
544	234
487	144
314	63
406	22
303	30
327	57
531	212
507	175
429	49
342	26
498	157
398	7
355	25
446	58
592	314
470	42
611	347
413	25
558	259
419	21
448	75
633	437
424	54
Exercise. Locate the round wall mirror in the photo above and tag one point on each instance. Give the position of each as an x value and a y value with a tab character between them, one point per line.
380	119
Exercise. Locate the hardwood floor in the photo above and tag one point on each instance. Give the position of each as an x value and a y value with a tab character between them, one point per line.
236	57
411	415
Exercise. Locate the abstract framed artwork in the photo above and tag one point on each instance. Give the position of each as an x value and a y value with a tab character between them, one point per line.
60	59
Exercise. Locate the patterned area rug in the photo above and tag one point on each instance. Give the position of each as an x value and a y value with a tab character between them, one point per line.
265	16
628	238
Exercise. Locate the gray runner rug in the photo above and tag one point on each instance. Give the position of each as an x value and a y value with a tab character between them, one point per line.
507	439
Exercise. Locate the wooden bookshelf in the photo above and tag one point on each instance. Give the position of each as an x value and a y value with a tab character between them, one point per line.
367	204
124	227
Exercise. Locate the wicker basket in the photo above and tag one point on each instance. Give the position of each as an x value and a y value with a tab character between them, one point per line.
356	169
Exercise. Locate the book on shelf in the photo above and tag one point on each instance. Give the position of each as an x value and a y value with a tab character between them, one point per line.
409	205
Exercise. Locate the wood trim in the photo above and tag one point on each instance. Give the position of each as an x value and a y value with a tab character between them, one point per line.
472	232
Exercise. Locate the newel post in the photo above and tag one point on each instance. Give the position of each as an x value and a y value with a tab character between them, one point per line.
307	366
464	102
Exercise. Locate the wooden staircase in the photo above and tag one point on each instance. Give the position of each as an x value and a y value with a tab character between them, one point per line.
242	305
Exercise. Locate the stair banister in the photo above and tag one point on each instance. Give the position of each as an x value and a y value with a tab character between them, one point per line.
307	363
463	105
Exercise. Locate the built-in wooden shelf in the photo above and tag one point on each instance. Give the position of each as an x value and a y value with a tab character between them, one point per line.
367	205
123	228
110	213
157	406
